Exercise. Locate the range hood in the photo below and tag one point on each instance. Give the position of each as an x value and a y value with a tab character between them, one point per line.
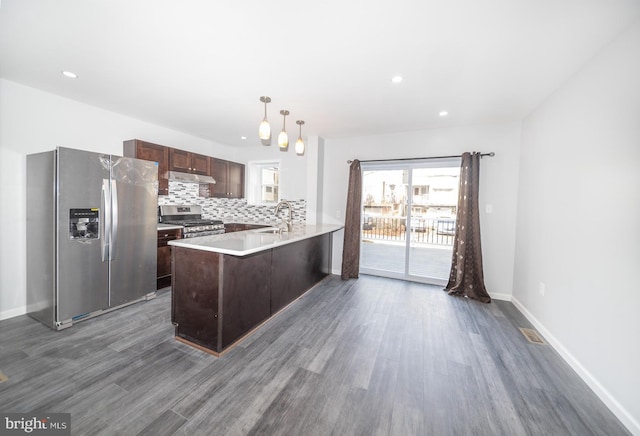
188	177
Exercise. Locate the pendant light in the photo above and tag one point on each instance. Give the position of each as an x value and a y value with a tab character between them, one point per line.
264	132
300	142
283	138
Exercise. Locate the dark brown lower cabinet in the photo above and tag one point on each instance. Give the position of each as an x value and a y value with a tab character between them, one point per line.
218	298
163	276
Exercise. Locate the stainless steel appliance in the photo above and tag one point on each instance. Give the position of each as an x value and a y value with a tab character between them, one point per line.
190	218
91	234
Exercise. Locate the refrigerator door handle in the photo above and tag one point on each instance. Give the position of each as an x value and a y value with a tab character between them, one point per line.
114	219
106	220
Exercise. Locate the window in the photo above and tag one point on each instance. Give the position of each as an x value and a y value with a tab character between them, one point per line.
269	177
420	189
264	181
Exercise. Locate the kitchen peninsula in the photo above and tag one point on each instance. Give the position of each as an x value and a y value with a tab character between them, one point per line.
224	286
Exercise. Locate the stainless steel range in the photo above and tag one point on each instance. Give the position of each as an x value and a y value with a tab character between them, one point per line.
190	218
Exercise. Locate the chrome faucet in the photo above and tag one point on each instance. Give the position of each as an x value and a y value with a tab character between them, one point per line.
288	222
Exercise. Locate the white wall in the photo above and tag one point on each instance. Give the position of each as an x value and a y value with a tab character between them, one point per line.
32	121
315	182
578	227
498	184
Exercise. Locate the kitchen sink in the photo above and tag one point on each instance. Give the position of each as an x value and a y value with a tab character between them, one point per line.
272	230
239	227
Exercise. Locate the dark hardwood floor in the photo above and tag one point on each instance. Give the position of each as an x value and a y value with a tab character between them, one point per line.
362	357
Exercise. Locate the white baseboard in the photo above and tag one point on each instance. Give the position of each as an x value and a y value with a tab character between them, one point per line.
6	314
499	296
621	413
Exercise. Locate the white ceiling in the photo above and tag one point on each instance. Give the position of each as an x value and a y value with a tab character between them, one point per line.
200	66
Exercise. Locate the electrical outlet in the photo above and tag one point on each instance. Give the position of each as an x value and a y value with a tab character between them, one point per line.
488	208
338	214
543	289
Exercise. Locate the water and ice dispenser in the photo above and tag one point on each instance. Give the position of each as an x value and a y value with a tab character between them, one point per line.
84	223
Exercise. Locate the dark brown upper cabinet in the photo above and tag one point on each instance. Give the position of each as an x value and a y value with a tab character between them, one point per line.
153	152
228	175
229	178
187	162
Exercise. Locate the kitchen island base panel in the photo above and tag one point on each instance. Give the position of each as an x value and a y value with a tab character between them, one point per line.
219	298
295	268
245	295
194	310
247	334
198	346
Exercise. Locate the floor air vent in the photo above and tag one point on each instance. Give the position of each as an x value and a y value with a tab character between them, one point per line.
532	336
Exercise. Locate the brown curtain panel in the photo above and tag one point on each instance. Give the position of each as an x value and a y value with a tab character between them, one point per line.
466	277
351	246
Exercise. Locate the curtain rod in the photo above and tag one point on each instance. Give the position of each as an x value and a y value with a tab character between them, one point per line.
421	158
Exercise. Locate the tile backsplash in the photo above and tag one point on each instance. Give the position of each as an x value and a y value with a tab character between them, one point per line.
228	209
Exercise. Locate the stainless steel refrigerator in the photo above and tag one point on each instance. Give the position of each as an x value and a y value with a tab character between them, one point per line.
91	234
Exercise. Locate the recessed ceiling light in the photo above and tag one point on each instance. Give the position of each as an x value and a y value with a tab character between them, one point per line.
443	113
396	79
243	137
70	74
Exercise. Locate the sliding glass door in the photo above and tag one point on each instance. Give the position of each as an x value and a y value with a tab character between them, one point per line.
408	218
383	247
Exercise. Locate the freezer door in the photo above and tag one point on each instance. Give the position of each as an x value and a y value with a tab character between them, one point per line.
83	275
134	234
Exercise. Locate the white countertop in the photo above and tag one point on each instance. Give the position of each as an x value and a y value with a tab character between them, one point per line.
253	241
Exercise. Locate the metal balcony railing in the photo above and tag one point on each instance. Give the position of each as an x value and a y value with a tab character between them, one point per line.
437	231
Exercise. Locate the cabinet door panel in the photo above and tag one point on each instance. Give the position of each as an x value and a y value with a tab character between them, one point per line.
236	180
164	261
164	256
219	172
153	152
179	160
200	164
229	177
